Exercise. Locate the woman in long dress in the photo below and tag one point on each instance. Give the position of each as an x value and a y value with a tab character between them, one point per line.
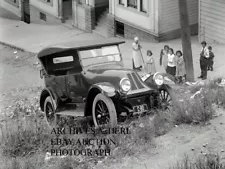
164	56
136	54
150	63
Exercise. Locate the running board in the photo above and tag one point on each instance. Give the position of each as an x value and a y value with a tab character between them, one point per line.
76	110
74	113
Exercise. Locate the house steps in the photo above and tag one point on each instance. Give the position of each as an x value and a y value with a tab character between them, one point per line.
101	24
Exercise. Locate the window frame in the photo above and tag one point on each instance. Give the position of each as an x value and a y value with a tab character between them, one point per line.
46	1
132	6
138	8
120	3
59	59
141	10
44	15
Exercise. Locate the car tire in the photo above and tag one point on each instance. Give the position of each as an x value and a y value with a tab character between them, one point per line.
165	98
104	102
50	117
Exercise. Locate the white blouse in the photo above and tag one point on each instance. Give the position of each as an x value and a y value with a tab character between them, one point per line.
171	60
205	52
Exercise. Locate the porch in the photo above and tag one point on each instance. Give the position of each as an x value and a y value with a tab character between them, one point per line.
87	15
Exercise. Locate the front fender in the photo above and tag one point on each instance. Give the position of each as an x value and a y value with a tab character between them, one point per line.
168	81
44	94
105	88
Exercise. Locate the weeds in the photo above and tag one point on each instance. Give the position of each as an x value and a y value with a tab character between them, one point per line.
210	161
198	106
25	132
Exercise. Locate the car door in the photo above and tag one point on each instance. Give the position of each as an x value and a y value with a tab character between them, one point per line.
76	87
75	82
60	65
59	83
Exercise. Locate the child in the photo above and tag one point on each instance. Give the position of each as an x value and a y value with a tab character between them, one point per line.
211	58
150	64
180	68
171	64
164	56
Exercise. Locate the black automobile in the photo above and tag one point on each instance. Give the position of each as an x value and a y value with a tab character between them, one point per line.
88	79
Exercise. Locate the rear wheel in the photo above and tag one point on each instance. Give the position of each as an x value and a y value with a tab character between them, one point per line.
103	111
49	110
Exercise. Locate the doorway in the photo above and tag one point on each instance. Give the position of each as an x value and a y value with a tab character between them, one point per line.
119	29
67	9
26	11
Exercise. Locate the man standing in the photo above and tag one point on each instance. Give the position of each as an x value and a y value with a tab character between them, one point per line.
204	55
136	55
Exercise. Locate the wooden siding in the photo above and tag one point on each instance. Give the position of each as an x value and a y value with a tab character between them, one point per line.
144	21
169	18
212	21
11	7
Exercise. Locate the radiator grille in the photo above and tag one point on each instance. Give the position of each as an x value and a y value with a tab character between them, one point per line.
135	82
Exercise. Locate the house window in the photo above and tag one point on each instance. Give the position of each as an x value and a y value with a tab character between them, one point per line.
122	2
120	29
48	1
42	16
132	3
79	1
143	5
13	2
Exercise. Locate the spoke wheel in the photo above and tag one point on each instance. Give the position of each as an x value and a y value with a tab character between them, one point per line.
103	111
165	99
50	112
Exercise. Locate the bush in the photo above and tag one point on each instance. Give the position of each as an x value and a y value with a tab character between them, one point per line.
193	111
197	104
210	161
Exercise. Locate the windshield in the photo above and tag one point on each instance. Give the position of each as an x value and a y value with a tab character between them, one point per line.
100	55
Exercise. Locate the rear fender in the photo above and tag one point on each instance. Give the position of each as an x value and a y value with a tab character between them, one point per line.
44	94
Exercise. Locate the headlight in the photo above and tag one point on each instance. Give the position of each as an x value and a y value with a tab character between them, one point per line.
125	84
158	78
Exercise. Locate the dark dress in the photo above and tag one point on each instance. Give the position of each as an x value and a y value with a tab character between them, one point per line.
211	60
204	63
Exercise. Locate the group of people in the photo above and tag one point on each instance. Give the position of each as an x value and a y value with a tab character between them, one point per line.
206	60
173	62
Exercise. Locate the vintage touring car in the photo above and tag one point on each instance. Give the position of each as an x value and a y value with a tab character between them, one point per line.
88	78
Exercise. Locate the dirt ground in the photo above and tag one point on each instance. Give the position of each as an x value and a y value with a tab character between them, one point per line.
19	75
180	141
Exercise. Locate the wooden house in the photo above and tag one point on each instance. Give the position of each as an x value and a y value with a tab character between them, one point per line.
212	21
154	20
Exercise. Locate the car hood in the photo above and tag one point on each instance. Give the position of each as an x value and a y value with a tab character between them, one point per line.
113	76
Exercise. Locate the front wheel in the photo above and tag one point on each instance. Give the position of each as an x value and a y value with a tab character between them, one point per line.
103	111
165	99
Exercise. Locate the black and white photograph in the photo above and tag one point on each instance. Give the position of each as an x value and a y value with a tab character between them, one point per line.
112	84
